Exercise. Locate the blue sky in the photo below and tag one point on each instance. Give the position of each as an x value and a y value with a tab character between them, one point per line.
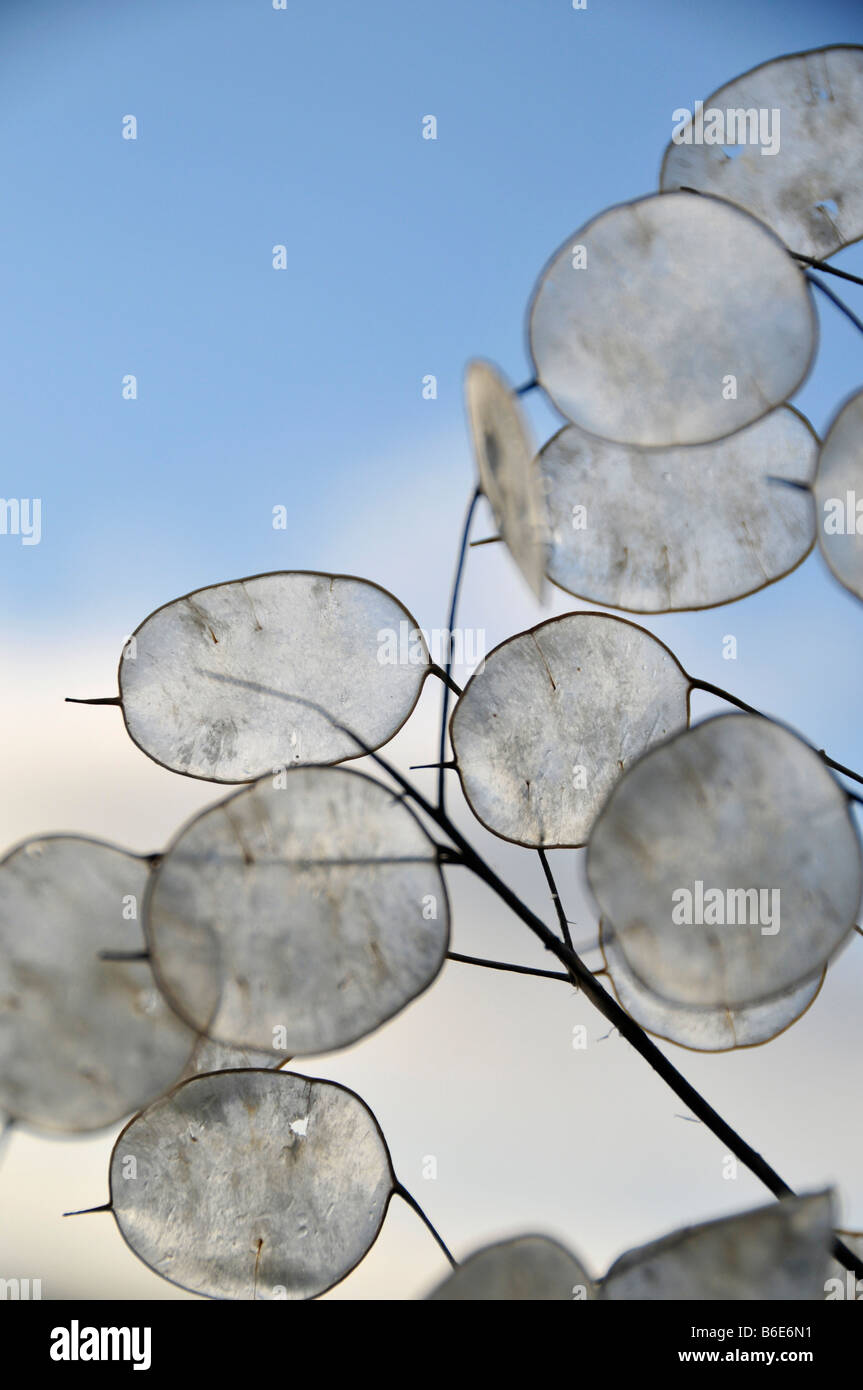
303	388
406	256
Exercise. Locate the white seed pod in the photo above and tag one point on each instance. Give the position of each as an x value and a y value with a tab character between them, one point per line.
305	914
504	455
84	1041
806	111
544	729
241	679
839	495
689	321
524	1268
775	1253
703	1029
669	529
252	1184
728	864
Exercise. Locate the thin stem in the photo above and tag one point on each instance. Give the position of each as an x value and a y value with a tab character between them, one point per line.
647	1049
834	299
505	965
412	1202
453	607
555	897
796	255
633	1033
612	1011
839	767
622	1021
447	855
828	269
435	670
486	540
528	386
90	1211
717	690
101	700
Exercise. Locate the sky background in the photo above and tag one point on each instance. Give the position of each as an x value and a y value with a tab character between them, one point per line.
302	388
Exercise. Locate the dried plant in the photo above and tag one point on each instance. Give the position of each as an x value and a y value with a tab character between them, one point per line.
299	913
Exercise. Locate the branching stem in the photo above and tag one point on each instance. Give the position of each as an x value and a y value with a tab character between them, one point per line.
834	299
412	1202
828	269
555	897
582	976
505	965
611	1010
453	608
710	689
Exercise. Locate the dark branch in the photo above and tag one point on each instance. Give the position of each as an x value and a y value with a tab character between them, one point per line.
555	897
834	299
828	269
415	1206
505	965
583	977
435	670
453	608
717	690
102	700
